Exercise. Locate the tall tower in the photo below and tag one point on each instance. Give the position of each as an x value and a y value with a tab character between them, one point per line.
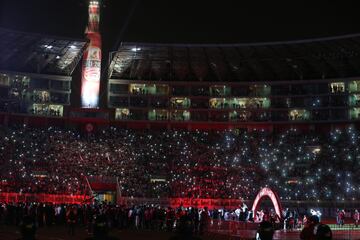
91	67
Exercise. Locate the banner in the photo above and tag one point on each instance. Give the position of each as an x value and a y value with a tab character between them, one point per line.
185	202
51	198
91	67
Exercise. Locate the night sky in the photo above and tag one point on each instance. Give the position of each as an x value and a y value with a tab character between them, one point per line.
186	21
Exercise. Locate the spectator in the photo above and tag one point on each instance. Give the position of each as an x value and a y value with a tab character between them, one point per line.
28	228
308	232
356	218
265	231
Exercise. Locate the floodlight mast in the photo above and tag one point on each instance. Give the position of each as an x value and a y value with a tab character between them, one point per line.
91	66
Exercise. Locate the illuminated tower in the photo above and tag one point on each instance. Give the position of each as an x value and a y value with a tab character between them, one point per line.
91	68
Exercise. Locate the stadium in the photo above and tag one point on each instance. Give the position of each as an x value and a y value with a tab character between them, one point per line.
225	136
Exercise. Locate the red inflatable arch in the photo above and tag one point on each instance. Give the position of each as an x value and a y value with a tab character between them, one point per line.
267	192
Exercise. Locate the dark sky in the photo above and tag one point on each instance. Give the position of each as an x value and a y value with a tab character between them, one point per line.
195	21
183	21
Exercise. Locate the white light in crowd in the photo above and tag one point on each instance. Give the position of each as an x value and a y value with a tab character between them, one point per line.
48	46
135	49
72	47
57	57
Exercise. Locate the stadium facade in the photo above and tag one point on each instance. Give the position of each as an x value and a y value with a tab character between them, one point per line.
310	83
36	75
267	84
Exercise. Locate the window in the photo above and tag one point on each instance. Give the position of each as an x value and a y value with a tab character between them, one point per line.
322	114
39	109
354	100
258	103
39	83
62	98
260	90
19	87
219	103
60	85
339	114
180	115
199	103
180	102
281	102
354	86
220	91
199	116
138	102
236	103
316	102
199	91
56	110
119	88
20	81
138	89
115	101
4	80
152	89
355	113
299	114
278	90
239	116
136	114
260	116
48	110
159	102
280	115
122	113
180	91
240	91
219	116
161	89
158	115
339	100
41	96
337	87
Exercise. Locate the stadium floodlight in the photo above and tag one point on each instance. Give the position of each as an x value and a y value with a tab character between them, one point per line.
135	49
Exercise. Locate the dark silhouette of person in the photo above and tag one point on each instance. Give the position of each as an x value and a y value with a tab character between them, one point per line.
323	232
185	229
100	228
265	231
308	232
28	228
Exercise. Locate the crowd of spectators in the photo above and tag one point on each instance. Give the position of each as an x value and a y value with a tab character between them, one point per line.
178	163
99	218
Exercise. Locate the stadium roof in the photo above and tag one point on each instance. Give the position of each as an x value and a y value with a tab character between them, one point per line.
334	57
35	53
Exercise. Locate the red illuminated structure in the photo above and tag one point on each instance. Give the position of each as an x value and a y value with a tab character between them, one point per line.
267	192
90	82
